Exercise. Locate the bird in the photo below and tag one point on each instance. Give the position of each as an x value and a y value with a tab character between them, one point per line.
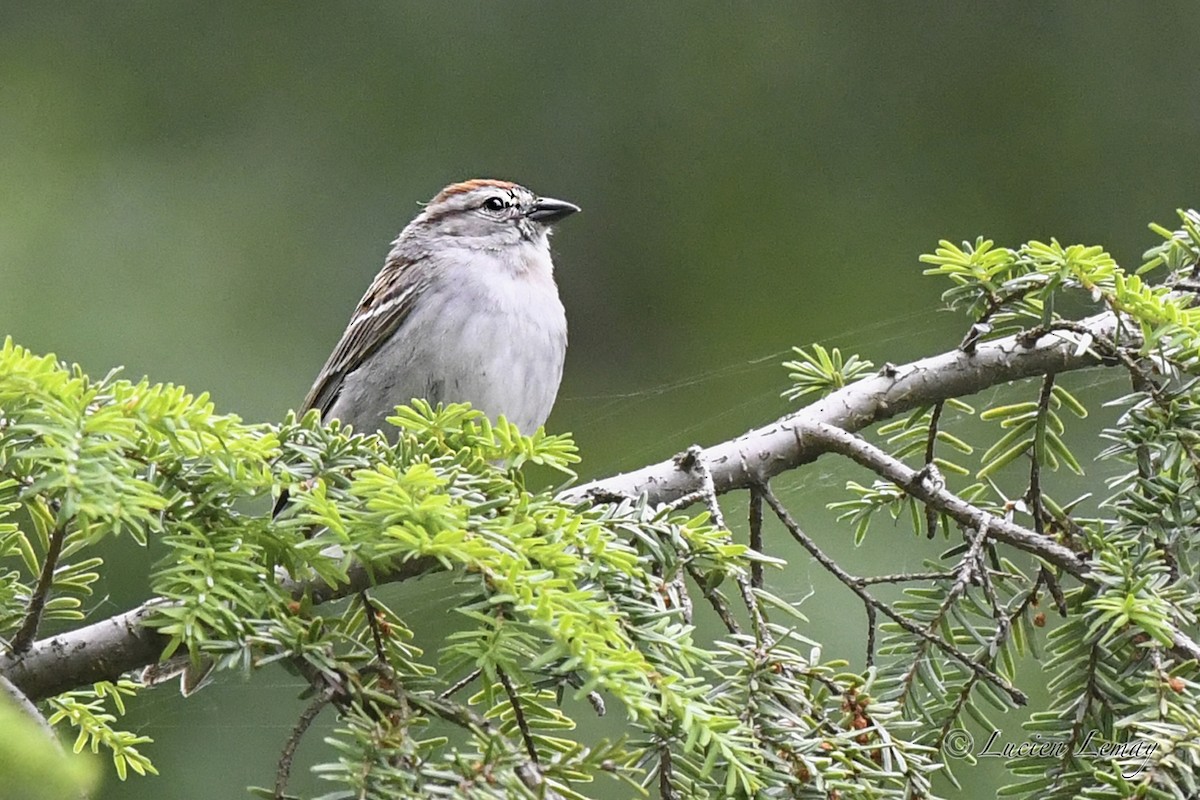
465	310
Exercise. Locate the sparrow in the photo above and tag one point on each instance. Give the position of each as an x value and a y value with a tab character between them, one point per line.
464	310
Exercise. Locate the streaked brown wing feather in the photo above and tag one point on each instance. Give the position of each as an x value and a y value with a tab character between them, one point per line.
380	312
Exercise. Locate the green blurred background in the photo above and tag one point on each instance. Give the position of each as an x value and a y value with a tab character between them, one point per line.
201	192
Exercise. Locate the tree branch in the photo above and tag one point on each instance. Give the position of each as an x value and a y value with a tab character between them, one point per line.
283	771
33	617
852	583
105	650
934	494
912	481
756	538
764	452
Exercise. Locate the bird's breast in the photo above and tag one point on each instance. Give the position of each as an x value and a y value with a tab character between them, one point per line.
486	334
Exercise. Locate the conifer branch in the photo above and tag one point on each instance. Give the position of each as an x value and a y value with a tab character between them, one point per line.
765	452
105	650
24	637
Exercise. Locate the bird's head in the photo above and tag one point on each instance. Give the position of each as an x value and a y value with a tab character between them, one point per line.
488	213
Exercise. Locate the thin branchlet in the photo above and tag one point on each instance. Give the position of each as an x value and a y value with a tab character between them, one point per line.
1016	695
27	633
756	535
931	513
283	771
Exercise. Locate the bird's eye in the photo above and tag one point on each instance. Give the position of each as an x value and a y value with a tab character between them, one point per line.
493	204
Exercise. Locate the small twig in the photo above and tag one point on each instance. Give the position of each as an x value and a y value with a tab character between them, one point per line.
693	461
454	713
390	682
906	577
971	338
970	562
868	455
1034	496
983	325
756	535
25	637
1082	705
666	791
369	611
872	627
284	771
714	598
1055	588
989	592
681	596
963	572
689	461
761	634
518	714
931	514
1017	696
685	500
462	684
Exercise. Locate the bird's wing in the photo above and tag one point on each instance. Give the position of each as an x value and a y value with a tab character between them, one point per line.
380	312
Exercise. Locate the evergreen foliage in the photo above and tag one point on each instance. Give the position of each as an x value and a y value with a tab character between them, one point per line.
559	598
595	599
1116	670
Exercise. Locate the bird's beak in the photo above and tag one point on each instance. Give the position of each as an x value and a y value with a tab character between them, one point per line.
548	210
